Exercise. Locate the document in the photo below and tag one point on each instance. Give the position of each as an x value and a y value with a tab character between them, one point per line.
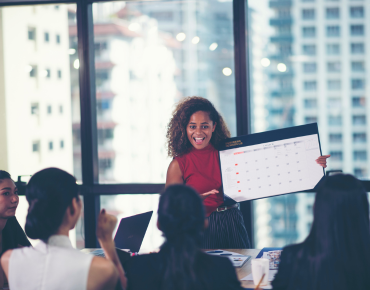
271	163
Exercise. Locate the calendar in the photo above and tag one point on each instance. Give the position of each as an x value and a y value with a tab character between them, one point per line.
271	163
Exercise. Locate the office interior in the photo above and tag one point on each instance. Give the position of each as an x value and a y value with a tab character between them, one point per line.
89	87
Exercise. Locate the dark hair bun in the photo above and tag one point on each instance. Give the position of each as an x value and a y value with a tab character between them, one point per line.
49	193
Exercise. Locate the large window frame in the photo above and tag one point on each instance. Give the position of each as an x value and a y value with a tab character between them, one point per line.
90	188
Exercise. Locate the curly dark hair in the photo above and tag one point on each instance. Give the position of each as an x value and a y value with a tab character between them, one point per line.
177	139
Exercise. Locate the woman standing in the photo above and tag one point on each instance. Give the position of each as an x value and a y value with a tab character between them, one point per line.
193	134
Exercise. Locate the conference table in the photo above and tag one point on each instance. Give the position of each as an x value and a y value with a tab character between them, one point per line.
241	272
246	269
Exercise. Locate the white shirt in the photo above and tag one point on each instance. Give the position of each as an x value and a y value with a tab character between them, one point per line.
55	265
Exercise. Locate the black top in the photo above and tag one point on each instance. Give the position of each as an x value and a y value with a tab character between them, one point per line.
147	271
13	236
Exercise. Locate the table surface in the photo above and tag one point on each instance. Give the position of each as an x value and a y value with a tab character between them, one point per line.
241	272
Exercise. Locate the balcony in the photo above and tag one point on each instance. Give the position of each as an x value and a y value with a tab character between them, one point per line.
283	92
282	38
281	21
279	4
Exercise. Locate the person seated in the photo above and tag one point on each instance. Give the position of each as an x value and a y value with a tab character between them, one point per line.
54	208
336	253
180	263
11	234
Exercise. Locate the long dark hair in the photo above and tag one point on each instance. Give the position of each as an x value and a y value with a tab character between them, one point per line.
49	192
181	219
13	235
177	138
336	253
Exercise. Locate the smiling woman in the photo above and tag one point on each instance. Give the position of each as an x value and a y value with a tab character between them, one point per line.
193	135
11	233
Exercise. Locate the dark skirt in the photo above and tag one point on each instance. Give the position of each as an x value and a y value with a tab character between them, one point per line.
226	230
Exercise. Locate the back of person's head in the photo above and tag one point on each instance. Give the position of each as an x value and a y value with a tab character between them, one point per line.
337	250
181	219
4	175
49	192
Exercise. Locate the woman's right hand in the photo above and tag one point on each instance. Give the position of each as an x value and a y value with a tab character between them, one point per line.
206	194
106	226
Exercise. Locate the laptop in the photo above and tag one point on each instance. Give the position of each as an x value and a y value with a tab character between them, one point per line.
130	235
131	231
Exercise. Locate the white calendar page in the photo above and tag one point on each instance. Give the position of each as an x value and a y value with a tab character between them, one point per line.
272	168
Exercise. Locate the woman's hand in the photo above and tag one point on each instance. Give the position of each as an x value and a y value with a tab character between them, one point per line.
206	194
106	226
322	160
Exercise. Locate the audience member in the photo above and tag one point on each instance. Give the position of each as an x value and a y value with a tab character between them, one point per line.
11	233
180	264
54	208
336	253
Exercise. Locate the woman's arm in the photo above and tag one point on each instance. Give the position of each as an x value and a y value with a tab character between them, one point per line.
104	232
174	174
5	264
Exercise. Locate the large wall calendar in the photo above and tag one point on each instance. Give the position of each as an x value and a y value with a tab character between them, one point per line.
271	163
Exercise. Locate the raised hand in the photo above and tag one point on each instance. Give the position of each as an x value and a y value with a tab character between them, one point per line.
106	226
204	195
322	160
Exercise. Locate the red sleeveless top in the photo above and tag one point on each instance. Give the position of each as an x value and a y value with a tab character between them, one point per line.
201	170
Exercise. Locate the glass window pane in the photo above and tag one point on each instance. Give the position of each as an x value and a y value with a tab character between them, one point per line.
325	63
37	108
148	56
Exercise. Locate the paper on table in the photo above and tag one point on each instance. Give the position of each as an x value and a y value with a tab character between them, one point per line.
272	274
236	259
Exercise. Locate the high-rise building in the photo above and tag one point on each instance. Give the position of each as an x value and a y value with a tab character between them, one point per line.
317	74
35	102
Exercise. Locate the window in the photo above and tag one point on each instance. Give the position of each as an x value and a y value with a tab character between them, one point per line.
61	144
47	73
310	119
356	12
333	31
334	103
360	155
35	109
359	137
32	71
36	146
357	48
309	67
359	120
309	49
333	49
335	120
358	66
59	72
335	138
310	103
358	84
49	110
336	155
309	32
357	30
308	14
358	102
50	145
31	33
360	172
57	39
334	85
334	66
46	36
310	85
332	13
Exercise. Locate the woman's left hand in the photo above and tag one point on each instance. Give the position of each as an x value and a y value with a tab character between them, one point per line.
322	160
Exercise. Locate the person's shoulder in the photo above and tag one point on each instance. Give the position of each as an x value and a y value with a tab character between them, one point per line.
102	272
292	250
217	262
